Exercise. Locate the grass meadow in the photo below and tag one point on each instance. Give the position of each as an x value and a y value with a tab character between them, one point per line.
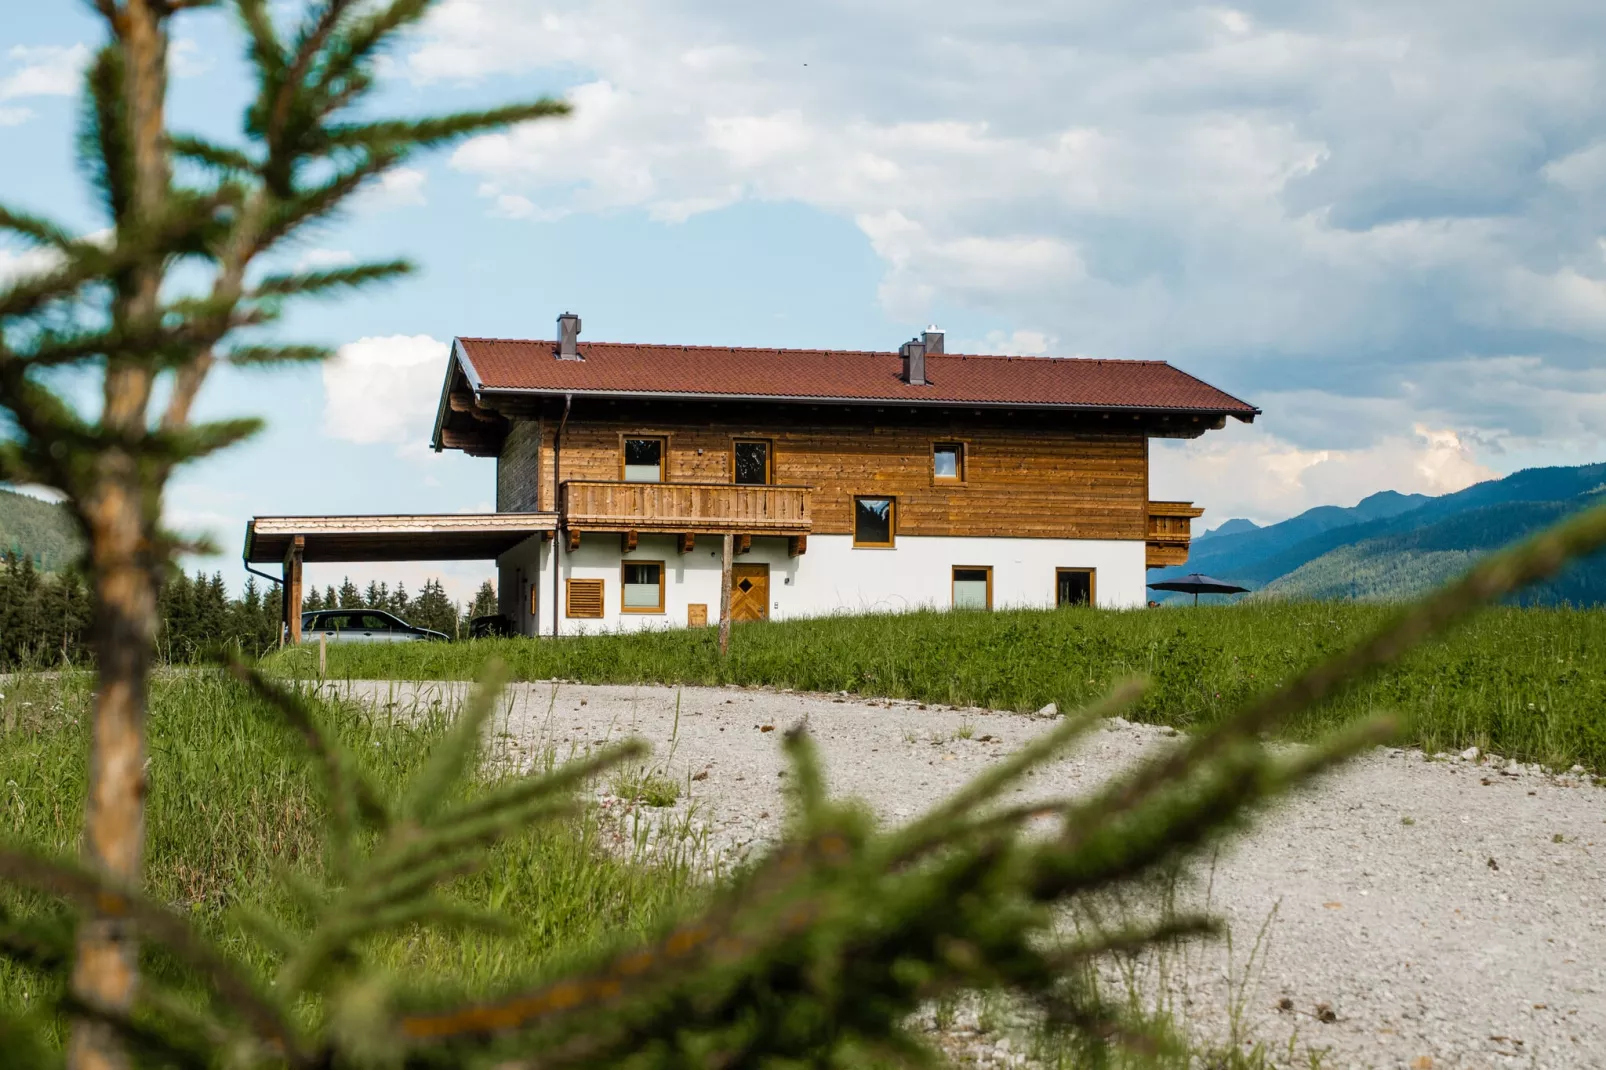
1525	683
234	803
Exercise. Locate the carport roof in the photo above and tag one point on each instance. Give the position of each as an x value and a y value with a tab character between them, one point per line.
424	537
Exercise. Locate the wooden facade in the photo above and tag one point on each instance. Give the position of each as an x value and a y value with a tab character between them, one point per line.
1036	479
1170	532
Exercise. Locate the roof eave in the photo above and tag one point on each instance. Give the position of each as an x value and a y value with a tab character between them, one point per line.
820	399
457	359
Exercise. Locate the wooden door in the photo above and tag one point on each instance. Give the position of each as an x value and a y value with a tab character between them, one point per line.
750	592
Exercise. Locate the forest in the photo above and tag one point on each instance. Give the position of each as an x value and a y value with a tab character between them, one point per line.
44	616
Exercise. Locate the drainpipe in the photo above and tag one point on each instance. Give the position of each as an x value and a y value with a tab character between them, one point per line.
284	592
557	504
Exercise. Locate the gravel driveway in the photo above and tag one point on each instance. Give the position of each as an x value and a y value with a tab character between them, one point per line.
1422	913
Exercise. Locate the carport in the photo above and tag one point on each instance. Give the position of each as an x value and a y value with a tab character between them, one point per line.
291	540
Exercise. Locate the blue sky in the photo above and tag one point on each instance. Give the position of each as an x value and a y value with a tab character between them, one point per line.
1383	225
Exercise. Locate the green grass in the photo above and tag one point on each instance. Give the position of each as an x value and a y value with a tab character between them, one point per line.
234	801
1526	683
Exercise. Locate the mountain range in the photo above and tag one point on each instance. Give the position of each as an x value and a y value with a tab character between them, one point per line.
38	529
1392	545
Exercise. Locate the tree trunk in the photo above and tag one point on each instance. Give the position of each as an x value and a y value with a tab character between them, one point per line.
120	513
106	969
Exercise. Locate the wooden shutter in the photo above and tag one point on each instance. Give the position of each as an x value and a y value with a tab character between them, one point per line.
584	598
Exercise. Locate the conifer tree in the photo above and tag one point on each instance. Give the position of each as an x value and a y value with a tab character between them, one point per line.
150	307
434	609
484	603
350	596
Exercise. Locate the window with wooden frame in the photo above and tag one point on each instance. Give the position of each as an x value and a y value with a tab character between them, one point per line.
642	458
583	599
752	461
948	462
1075	587
973	587
642	587
874	521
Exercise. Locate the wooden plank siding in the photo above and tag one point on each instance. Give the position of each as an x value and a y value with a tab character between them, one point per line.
686	508
1034	481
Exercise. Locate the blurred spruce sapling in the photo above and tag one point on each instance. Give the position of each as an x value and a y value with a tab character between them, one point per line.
123	304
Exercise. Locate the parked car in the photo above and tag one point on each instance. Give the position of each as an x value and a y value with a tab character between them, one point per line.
362	626
490	626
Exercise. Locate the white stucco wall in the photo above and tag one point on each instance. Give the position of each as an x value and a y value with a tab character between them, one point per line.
832	577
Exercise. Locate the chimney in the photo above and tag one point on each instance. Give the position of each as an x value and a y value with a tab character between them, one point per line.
914	362
569	337
933	339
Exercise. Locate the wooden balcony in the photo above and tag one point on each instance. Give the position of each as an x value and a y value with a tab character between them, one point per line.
1169	534
684	508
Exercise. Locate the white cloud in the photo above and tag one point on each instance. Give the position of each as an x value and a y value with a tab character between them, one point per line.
15	266
186	60
1342	198
384	390
324	259
1251	473
402	187
43	71
15	116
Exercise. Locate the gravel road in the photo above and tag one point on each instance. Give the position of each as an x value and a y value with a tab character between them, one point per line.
1418	912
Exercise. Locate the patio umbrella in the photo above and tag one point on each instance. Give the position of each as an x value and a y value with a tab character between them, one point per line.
1198	583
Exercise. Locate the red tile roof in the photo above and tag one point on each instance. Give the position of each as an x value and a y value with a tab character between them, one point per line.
621	369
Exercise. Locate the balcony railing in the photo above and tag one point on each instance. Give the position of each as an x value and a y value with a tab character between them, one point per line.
688	508
1169	532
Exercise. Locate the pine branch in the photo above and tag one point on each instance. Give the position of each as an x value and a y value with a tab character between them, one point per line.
172	446
226	981
243	356
1495	576
352	800
37	229
103	146
319	282
358	43
221	157
441	130
454	756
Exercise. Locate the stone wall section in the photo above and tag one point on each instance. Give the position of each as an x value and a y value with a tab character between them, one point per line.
518	469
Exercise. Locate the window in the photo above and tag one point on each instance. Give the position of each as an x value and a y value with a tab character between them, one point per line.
874	521
374	622
750	462
973	587
948	461
583	598
644	460
643	583
1074	587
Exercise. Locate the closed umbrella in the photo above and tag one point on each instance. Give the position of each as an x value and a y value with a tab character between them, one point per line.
1197	583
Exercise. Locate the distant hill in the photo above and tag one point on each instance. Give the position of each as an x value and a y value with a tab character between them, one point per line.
1395	545
41	530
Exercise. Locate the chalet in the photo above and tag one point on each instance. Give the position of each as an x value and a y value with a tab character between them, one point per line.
842	481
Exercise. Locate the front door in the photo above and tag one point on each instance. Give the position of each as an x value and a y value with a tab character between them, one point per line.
750	592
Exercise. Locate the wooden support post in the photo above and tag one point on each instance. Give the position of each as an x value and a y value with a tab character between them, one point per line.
627	542
688	542
574	539
744	543
323	655
797	546
292	588
725	596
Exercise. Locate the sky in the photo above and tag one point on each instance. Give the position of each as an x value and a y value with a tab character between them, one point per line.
1381	221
